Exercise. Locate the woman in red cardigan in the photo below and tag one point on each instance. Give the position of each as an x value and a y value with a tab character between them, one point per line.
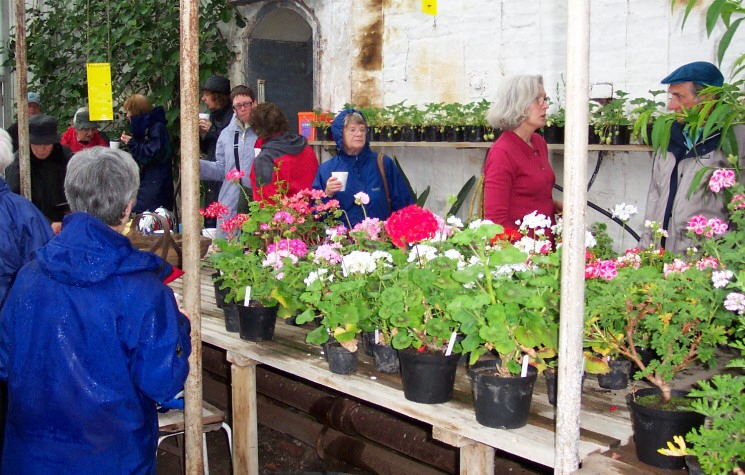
518	178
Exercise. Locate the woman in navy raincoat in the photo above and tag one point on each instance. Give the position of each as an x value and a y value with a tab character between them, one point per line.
363	175
91	339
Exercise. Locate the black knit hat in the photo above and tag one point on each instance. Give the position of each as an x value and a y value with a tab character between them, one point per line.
42	130
217	84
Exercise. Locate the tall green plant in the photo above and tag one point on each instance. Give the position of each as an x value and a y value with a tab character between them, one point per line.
139	38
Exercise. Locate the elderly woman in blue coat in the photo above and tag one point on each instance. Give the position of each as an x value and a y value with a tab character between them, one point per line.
360	164
91	339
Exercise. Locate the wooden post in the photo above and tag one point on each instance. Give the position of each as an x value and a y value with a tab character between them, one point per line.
189	71
573	255
475	458
24	150
245	418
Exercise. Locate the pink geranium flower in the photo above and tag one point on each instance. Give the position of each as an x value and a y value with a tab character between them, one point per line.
234	176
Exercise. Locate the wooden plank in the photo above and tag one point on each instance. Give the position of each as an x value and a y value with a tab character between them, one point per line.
245	428
476	459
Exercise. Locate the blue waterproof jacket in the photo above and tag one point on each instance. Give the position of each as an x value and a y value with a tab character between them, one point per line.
151	148
23	230
363	176
90	340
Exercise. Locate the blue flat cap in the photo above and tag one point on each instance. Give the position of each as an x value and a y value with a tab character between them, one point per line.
34	97
700	72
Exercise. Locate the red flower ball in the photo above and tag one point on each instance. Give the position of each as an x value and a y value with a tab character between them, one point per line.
410	225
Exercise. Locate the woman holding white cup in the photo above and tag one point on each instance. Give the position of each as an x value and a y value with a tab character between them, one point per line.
355	169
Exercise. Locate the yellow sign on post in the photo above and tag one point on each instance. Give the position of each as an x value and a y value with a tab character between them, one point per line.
99	91
429	7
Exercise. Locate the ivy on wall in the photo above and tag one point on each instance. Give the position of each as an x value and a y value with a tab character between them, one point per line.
140	38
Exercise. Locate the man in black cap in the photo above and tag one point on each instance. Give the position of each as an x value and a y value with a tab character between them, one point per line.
48	167
668	200
216	96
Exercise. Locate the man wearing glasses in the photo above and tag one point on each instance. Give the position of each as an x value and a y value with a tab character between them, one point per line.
234	151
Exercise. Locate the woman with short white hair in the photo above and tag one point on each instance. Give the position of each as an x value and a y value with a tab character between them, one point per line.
518	178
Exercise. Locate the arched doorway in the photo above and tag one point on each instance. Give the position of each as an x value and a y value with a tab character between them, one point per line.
280	52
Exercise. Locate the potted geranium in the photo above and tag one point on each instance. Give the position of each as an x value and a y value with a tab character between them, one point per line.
510	308
670	305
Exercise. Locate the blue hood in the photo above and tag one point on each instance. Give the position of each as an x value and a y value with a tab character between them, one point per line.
141	122
88	251
337	131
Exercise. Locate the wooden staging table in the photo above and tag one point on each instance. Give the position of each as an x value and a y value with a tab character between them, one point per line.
604	419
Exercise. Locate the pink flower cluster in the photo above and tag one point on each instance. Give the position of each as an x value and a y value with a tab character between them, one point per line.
234	176
708	227
738	201
296	247
327	253
234	224
599	268
371	226
677	266
283	217
722	178
215	210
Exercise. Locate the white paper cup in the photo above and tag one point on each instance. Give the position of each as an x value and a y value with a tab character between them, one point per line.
115	144
209	232
342	177
204	116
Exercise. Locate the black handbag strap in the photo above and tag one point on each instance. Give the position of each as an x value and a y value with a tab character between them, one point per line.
235	151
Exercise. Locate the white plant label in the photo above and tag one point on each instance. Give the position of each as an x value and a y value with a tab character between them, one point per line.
524	370
377	336
451	344
248	296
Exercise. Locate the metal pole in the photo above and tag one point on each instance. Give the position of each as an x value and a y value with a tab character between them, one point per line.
24	152
191	224
573	253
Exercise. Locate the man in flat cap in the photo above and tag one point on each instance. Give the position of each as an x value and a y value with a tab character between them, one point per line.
216	96
48	163
83	133
34	108
668	200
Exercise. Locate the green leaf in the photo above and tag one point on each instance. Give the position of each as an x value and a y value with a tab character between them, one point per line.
727	38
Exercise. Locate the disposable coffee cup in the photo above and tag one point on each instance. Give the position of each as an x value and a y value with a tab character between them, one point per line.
204	116
342	177
114	144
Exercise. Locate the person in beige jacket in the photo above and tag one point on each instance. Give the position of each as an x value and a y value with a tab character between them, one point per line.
668	200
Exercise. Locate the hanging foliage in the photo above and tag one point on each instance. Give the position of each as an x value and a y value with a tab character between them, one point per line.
140	38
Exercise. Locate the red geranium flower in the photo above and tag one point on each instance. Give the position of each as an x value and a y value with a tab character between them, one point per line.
411	225
509	234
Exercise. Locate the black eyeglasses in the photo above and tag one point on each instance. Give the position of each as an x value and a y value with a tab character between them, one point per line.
243	105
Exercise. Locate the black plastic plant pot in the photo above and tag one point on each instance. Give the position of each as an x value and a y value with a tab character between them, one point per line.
552	376
219	293
385	358
432	134
368	340
553	134
341	360
502	403
618	377
474	133
620	134
655	427
230	312
256	323
428	378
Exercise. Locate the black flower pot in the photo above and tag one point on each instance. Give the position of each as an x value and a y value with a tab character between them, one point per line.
552	376
230	312
368	340
410	133
474	133
553	134
592	137
219	293
432	134
385	358
428	378
502	403
654	427
620	134
618	377
452	133
256	323
341	360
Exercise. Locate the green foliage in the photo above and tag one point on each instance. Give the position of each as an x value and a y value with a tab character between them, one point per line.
607	117
139	38
644	114
603	242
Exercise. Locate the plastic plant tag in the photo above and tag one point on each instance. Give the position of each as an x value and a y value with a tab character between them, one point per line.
451	343
524	370
377	336
248	296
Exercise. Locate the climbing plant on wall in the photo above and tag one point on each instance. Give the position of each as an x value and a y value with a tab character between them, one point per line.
140	38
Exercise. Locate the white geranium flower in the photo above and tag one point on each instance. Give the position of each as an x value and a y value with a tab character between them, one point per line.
358	262
590	241
534	221
720	279
423	252
318	274
477	223
455	222
624	212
